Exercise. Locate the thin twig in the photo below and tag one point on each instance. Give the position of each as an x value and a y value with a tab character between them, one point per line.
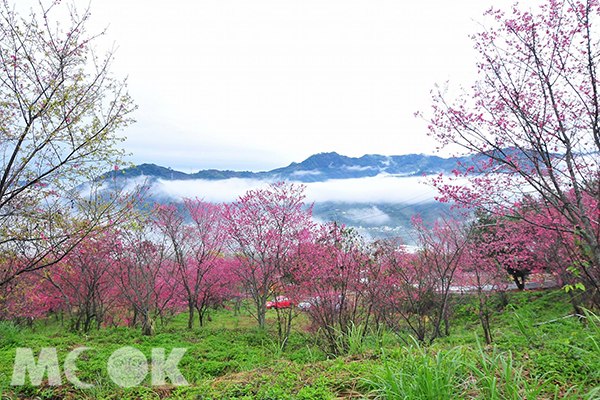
558	319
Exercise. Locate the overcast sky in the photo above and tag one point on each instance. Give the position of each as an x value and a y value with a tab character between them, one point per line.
257	84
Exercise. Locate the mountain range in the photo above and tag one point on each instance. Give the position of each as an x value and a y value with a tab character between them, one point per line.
374	193
316	168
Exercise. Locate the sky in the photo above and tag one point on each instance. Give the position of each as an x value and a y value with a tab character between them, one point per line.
258	84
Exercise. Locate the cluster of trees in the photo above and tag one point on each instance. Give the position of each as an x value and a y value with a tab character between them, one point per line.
193	256
531	203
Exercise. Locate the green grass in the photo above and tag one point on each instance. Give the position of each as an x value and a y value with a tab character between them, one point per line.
414	372
231	359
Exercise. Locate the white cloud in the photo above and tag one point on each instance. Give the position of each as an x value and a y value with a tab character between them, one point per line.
357	168
217	191
304	173
368	216
380	189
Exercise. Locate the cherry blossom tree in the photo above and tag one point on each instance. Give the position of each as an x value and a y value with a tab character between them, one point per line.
561	252
331	274
28	298
416	289
442	255
532	121
196	246
59	113
81	282
264	227
144	273
483	272
404	289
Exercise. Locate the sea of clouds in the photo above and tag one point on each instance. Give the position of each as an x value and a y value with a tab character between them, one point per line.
380	189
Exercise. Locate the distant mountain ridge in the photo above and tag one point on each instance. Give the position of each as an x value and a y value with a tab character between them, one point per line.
316	168
373	217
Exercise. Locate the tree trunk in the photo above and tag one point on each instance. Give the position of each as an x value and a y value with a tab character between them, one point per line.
575	303
191	316
484	316
147	325
288	329
261	316
200	316
516	274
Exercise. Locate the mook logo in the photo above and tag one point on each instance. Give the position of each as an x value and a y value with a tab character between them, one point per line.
126	367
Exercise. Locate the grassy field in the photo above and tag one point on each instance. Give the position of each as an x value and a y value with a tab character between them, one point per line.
231	359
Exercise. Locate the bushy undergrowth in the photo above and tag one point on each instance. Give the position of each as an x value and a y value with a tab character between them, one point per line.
536	354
